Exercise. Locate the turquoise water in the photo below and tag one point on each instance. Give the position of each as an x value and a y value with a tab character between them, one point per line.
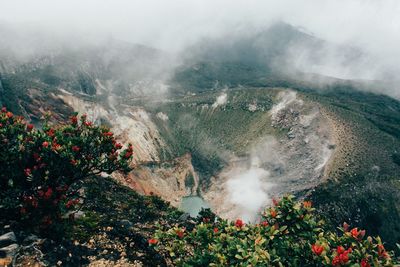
193	205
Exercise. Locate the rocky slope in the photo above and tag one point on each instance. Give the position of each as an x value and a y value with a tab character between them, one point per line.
234	132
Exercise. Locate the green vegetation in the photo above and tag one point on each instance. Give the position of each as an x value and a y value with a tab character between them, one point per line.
39	169
289	234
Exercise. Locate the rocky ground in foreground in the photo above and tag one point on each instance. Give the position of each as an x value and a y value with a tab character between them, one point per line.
111	229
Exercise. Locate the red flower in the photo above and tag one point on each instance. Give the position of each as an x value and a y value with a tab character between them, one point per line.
4	109
382	251
354	232
74	162
336	261
206	220
128	154
239	223
45	144
317	249
362	234
344	258
179	233
9	114
48	193
264	223
74	120
364	263
215	230
36	156
50	132
71	203
307	204
75	148
56	146
118	146
273	213
28	171
88	123
340	249
275	202
108	134
153	241
29	127
346	227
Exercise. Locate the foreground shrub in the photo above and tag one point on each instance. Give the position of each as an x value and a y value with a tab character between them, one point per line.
289	234
40	169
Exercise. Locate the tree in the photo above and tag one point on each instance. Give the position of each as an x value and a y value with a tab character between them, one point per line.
40	168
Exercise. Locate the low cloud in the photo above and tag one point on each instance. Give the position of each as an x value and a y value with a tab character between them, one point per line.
370	27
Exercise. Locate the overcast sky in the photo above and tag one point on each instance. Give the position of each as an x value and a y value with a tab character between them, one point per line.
372	25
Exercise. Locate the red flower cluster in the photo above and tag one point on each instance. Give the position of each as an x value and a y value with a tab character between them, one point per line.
71	203
357	234
153	241
239	223
76	148
342	256
317	249
108	134
364	263
129	152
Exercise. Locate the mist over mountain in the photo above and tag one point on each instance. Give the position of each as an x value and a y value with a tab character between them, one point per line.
227	105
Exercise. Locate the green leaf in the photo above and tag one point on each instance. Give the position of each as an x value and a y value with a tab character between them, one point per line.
283	228
237	256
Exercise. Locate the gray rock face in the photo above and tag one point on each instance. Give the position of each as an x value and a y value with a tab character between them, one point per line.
9	251
7	239
30	239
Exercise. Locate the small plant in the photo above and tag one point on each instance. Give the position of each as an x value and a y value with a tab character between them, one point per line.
40	168
289	234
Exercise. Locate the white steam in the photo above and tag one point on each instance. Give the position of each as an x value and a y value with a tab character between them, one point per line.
220	100
248	191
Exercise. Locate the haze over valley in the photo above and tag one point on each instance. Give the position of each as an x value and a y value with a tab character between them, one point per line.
227	105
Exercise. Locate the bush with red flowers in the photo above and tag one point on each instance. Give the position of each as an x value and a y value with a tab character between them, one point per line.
40	169
289	234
